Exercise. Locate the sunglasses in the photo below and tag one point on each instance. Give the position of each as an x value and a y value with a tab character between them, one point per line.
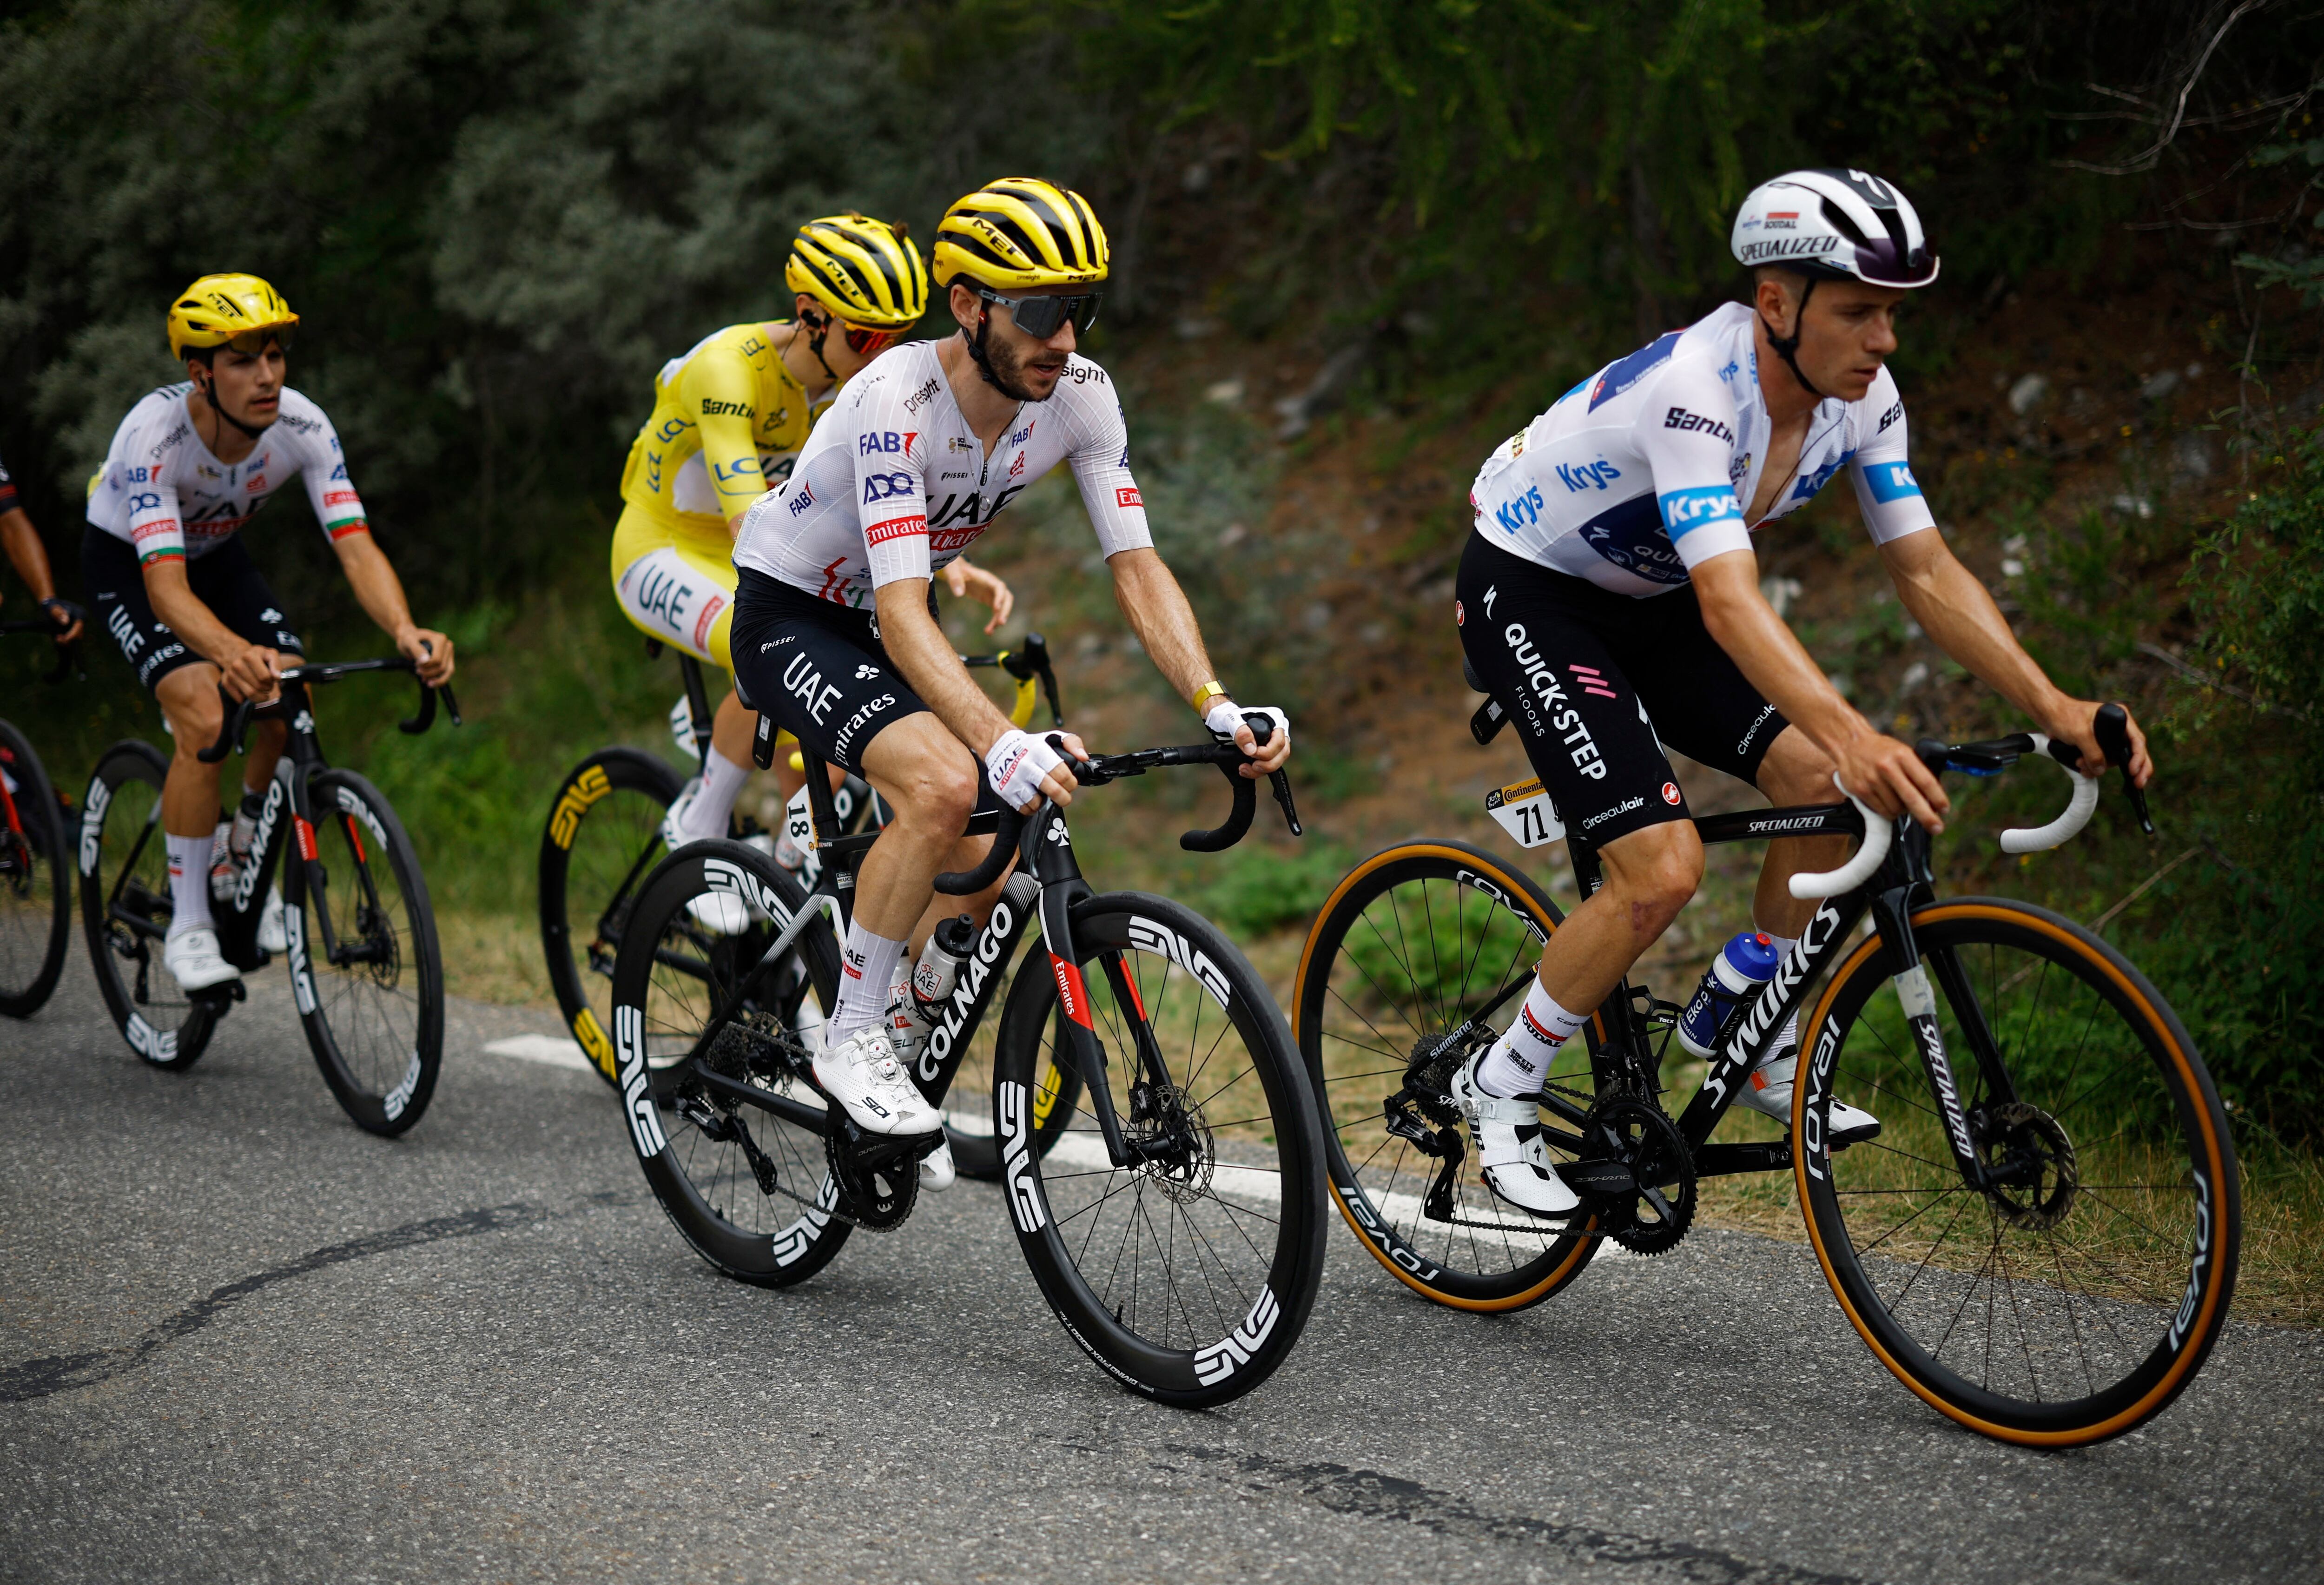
864	343
1039	316
252	344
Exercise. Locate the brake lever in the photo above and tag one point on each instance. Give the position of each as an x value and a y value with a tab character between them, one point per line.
1281	781
2112	728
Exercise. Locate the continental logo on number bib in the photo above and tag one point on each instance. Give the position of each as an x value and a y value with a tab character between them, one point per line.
1524	810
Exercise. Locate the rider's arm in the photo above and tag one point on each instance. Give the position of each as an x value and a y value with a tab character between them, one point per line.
930	664
1157	611
721	392
381	592
1955	610
250	668
966	582
1879	769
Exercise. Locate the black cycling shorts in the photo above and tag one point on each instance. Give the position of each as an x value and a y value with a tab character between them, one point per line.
226	579
1596	683
820	671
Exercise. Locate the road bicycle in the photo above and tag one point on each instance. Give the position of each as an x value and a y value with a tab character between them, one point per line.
1171	1207
603	832
2041	1238
35	847
366	973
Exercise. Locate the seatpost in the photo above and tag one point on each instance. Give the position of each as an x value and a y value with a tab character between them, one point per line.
697	703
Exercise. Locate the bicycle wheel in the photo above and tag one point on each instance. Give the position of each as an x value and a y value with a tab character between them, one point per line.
35	898
365	971
1188	1278
125	909
752	1192
1410	944
603	833
2076	1295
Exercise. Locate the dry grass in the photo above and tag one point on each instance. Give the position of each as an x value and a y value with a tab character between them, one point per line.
494	957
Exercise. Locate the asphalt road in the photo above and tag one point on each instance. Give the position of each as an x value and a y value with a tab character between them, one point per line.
240	1339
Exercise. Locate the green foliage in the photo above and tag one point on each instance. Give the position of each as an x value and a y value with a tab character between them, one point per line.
2259	585
2296	267
1260	887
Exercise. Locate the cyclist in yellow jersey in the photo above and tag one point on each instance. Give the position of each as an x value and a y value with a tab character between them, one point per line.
729	417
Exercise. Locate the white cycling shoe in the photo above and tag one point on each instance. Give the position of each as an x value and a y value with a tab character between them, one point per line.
907	1037
193	957
1509	1146
862	1074
1768	1091
272	934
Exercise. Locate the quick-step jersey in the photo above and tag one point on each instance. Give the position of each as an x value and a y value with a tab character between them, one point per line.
893	484
1639	475
161	491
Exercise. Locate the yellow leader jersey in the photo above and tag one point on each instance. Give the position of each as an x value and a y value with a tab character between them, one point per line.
728	422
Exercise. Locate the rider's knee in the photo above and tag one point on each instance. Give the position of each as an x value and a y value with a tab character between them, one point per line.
1796	772
195	716
1656	872
941	789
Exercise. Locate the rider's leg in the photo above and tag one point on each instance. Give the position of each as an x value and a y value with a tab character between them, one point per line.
1796	771
929	779
1649	875
189	697
724	771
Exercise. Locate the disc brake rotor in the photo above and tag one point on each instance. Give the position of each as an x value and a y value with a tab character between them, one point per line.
2031	1176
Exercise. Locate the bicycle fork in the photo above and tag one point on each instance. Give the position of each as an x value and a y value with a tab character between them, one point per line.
1918	999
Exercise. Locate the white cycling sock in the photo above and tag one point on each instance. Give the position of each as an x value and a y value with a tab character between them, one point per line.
189	883
714	806
1520	1059
867	968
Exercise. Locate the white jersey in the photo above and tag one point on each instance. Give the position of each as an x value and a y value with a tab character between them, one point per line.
893	484
161	491
1639	475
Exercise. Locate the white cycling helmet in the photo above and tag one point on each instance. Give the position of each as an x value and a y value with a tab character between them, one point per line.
1835	226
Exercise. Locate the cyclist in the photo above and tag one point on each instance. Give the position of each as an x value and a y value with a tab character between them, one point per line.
728	420
175	585
834	636
30	557
1610	599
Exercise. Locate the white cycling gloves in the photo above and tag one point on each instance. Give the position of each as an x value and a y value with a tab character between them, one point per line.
1015	764
1225	715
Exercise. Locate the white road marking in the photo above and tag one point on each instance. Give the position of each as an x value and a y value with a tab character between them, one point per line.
556	1051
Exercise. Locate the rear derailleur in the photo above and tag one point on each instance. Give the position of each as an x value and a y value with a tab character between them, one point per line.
1424	1114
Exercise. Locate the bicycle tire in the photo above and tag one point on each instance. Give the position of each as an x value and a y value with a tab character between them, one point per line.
2154	1260
1414	890
619	836
1106	1290
666	979
121	827
35	888
374	1023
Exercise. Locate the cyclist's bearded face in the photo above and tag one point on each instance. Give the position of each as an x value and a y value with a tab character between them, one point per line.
1848	333
249	389
1026	368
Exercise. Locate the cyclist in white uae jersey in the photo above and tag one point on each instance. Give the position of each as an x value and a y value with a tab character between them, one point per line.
832	638
1609	600
171	580
895	483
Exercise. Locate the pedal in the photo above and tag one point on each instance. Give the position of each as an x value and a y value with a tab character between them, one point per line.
218	998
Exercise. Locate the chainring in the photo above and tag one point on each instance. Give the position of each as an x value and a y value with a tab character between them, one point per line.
1626	1126
879	1176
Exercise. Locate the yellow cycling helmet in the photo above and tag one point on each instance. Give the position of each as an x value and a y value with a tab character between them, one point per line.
238	311
1021	232
867	271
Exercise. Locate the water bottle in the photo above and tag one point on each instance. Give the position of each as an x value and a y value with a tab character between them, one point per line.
912	1014
1741	967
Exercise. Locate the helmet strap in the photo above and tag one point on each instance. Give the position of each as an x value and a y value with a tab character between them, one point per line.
1787	347
817	329
208	392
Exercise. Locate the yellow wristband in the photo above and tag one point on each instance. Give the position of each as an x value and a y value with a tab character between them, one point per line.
1207	695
